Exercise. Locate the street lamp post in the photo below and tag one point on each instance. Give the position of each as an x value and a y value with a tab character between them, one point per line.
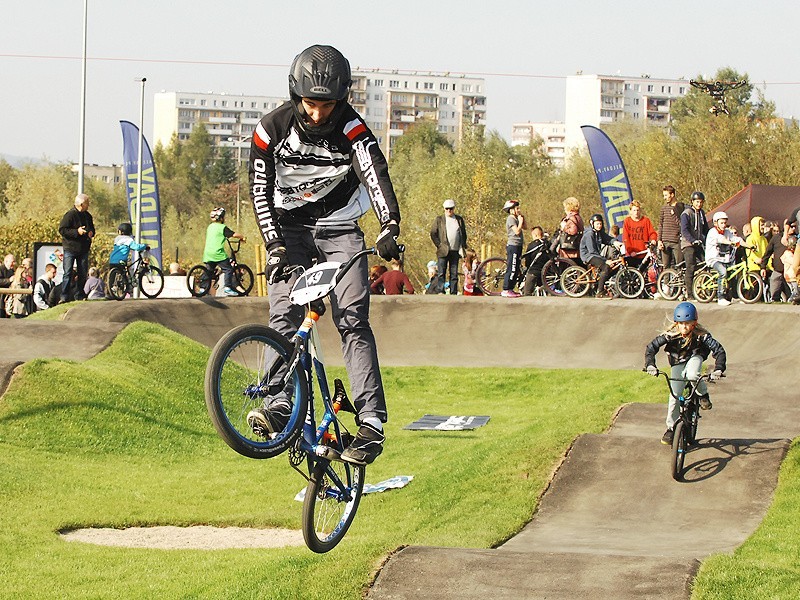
239	141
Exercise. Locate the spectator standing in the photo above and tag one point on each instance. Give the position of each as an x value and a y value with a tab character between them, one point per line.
669	228
434	285
449	235
772	260
44	286
77	231
790	274
571	228
757	242
20	306
637	233
515	226
394	281
791	227
694	228
536	255
6	277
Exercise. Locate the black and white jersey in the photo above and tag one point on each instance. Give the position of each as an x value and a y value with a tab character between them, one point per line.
300	179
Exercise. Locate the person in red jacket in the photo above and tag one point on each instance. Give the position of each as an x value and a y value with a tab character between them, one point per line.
394	282
637	233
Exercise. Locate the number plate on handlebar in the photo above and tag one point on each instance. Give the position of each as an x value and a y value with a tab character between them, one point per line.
317	282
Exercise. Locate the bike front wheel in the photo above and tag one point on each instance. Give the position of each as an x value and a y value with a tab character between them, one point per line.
575	281
151	281
199	281
704	286
490	275
750	288
551	275
118	282
246	370
670	284
678	451
243	280
330	504
629	283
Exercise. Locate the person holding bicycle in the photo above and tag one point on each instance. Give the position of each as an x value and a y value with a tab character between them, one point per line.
592	242
694	228
687	344
315	169
721	244
214	254
515	232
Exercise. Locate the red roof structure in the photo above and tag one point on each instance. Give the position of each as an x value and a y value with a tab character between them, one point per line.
772	202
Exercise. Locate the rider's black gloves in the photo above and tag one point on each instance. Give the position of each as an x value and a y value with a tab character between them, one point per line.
276	266
387	242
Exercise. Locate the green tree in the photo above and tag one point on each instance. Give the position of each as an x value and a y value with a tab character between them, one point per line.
224	169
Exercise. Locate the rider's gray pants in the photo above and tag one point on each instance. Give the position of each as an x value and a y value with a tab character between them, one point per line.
685	371
349	307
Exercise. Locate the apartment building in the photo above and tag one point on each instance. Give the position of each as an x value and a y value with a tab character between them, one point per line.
389	101
599	99
229	118
549	135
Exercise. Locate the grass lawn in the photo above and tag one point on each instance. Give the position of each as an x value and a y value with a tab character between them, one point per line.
124	440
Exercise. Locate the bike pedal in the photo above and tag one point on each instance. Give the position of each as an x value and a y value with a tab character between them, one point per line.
328	453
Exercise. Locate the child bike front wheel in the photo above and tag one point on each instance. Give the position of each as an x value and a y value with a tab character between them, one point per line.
246	369
678	450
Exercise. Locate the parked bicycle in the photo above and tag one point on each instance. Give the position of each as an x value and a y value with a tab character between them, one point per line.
490	274
626	281
650	268
748	284
685	430
253	362
148	277
671	281
201	278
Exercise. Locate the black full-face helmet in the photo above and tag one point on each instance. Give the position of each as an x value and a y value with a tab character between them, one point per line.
320	73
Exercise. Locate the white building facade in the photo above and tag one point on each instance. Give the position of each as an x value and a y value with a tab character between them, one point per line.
549	135
600	99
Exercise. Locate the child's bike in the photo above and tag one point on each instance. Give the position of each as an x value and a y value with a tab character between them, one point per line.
201	278
685	430
148	277
748	284
252	363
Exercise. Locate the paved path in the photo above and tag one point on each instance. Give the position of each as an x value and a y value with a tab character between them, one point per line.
613	524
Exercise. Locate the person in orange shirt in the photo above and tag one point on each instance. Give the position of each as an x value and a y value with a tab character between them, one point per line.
637	233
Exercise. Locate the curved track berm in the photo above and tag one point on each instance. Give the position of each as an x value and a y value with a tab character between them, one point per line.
606	527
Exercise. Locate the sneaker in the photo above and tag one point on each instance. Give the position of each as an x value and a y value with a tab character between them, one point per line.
705	403
226	291
273	419
724	302
510	294
366	446
666	439
604	295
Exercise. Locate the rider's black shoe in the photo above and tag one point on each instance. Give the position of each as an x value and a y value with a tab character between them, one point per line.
705	402
666	439
273	419
366	446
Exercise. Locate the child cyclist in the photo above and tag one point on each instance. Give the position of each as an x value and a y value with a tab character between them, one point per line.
688	344
214	253
123	244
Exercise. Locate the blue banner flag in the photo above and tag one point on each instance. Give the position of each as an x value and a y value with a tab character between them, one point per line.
151	210
615	189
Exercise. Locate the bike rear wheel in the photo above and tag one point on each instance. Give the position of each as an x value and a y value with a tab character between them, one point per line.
704	286
243	280
118	282
490	275
245	369
575	281
551	275
750	288
629	283
330	504
678	450
151	281
199	281
670	284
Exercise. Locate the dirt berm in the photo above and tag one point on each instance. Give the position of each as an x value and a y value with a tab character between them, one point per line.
613	524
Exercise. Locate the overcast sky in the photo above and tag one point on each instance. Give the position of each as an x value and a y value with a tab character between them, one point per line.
525	49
